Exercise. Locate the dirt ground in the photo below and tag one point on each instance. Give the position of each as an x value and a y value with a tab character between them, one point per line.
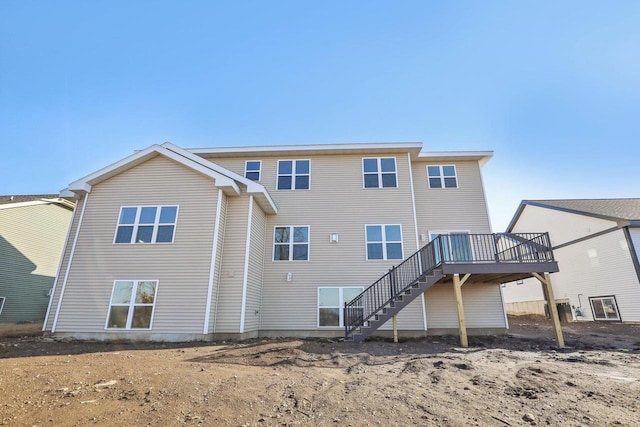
515	380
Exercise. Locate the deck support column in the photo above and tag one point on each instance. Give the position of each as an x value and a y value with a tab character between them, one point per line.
457	290
395	328
551	303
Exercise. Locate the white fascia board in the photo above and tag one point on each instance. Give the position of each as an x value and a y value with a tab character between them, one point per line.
445	156
371	147
23	204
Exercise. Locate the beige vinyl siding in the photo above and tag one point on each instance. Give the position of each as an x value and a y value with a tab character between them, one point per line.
181	268
66	256
441	209
217	274
600	266
563	227
482	306
634	233
256	265
31	244
336	203
229	302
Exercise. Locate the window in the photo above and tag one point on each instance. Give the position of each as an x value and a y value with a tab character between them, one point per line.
132	304
1	303
293	174
604	308
252	169
384	242
291	244
331	304
379	172
146	224
442	176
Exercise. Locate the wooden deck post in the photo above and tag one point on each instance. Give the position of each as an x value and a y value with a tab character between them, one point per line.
551	303
457	289
395	328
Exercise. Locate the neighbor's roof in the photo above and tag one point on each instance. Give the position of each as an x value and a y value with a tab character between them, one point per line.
611	209
25	198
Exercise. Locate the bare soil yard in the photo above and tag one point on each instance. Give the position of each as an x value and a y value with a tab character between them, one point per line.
515	380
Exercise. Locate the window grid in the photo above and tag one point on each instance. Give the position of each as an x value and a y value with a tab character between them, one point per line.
604	308
442	176
146	224
291	243
294	175
132	304
384	242
252	169
379	172
331	302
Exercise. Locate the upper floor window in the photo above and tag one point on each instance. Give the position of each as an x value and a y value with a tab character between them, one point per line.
293	174
384	242
146	224
442	176
379	172
291	244
252	169
132	304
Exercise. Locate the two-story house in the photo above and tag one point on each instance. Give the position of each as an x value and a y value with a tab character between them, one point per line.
190	244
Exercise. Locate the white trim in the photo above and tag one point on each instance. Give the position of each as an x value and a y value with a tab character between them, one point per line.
340	306
451	156
384	242
484	196
2	303
66	274
156	225
55	282
293	174
504	308
313	148
259	169
214	254
132	305
415	222
442	177
247	253
291	243
215	321
380	172
61	202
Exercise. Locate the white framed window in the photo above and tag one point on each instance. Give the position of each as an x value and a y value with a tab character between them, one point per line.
604	308
379	172
146	224
132	304
384	241
294	174
442	176
1	303
331	302
252	169
454	246
291	243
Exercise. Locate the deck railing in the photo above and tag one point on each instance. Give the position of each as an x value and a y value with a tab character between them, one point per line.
445	249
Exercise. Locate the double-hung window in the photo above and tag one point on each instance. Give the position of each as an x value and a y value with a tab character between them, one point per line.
291	244
331	304
384	241
252	169
294	174
379	172
132	304
442	176
146	224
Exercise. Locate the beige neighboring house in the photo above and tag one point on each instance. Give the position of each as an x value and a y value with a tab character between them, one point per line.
596	243
196	244
33	230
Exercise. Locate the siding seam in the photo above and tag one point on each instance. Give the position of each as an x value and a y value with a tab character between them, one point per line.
246	264
55	283
214	253
66	274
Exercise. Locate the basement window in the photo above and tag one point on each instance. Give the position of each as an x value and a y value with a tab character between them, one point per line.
331	304
132	304
604	308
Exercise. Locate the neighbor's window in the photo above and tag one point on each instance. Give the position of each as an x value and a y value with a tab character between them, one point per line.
442	176
604	308
146	224
132	304
384	242
1	303
293	174
252	169
331	304
291	244
379	172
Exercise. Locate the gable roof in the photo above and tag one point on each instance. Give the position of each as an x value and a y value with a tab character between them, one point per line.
8	202
624	211
25	198
226	180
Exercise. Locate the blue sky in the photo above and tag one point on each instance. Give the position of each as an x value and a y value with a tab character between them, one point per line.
553	88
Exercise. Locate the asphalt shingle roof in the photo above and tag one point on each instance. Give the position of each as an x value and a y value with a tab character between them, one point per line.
25	198
626	209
